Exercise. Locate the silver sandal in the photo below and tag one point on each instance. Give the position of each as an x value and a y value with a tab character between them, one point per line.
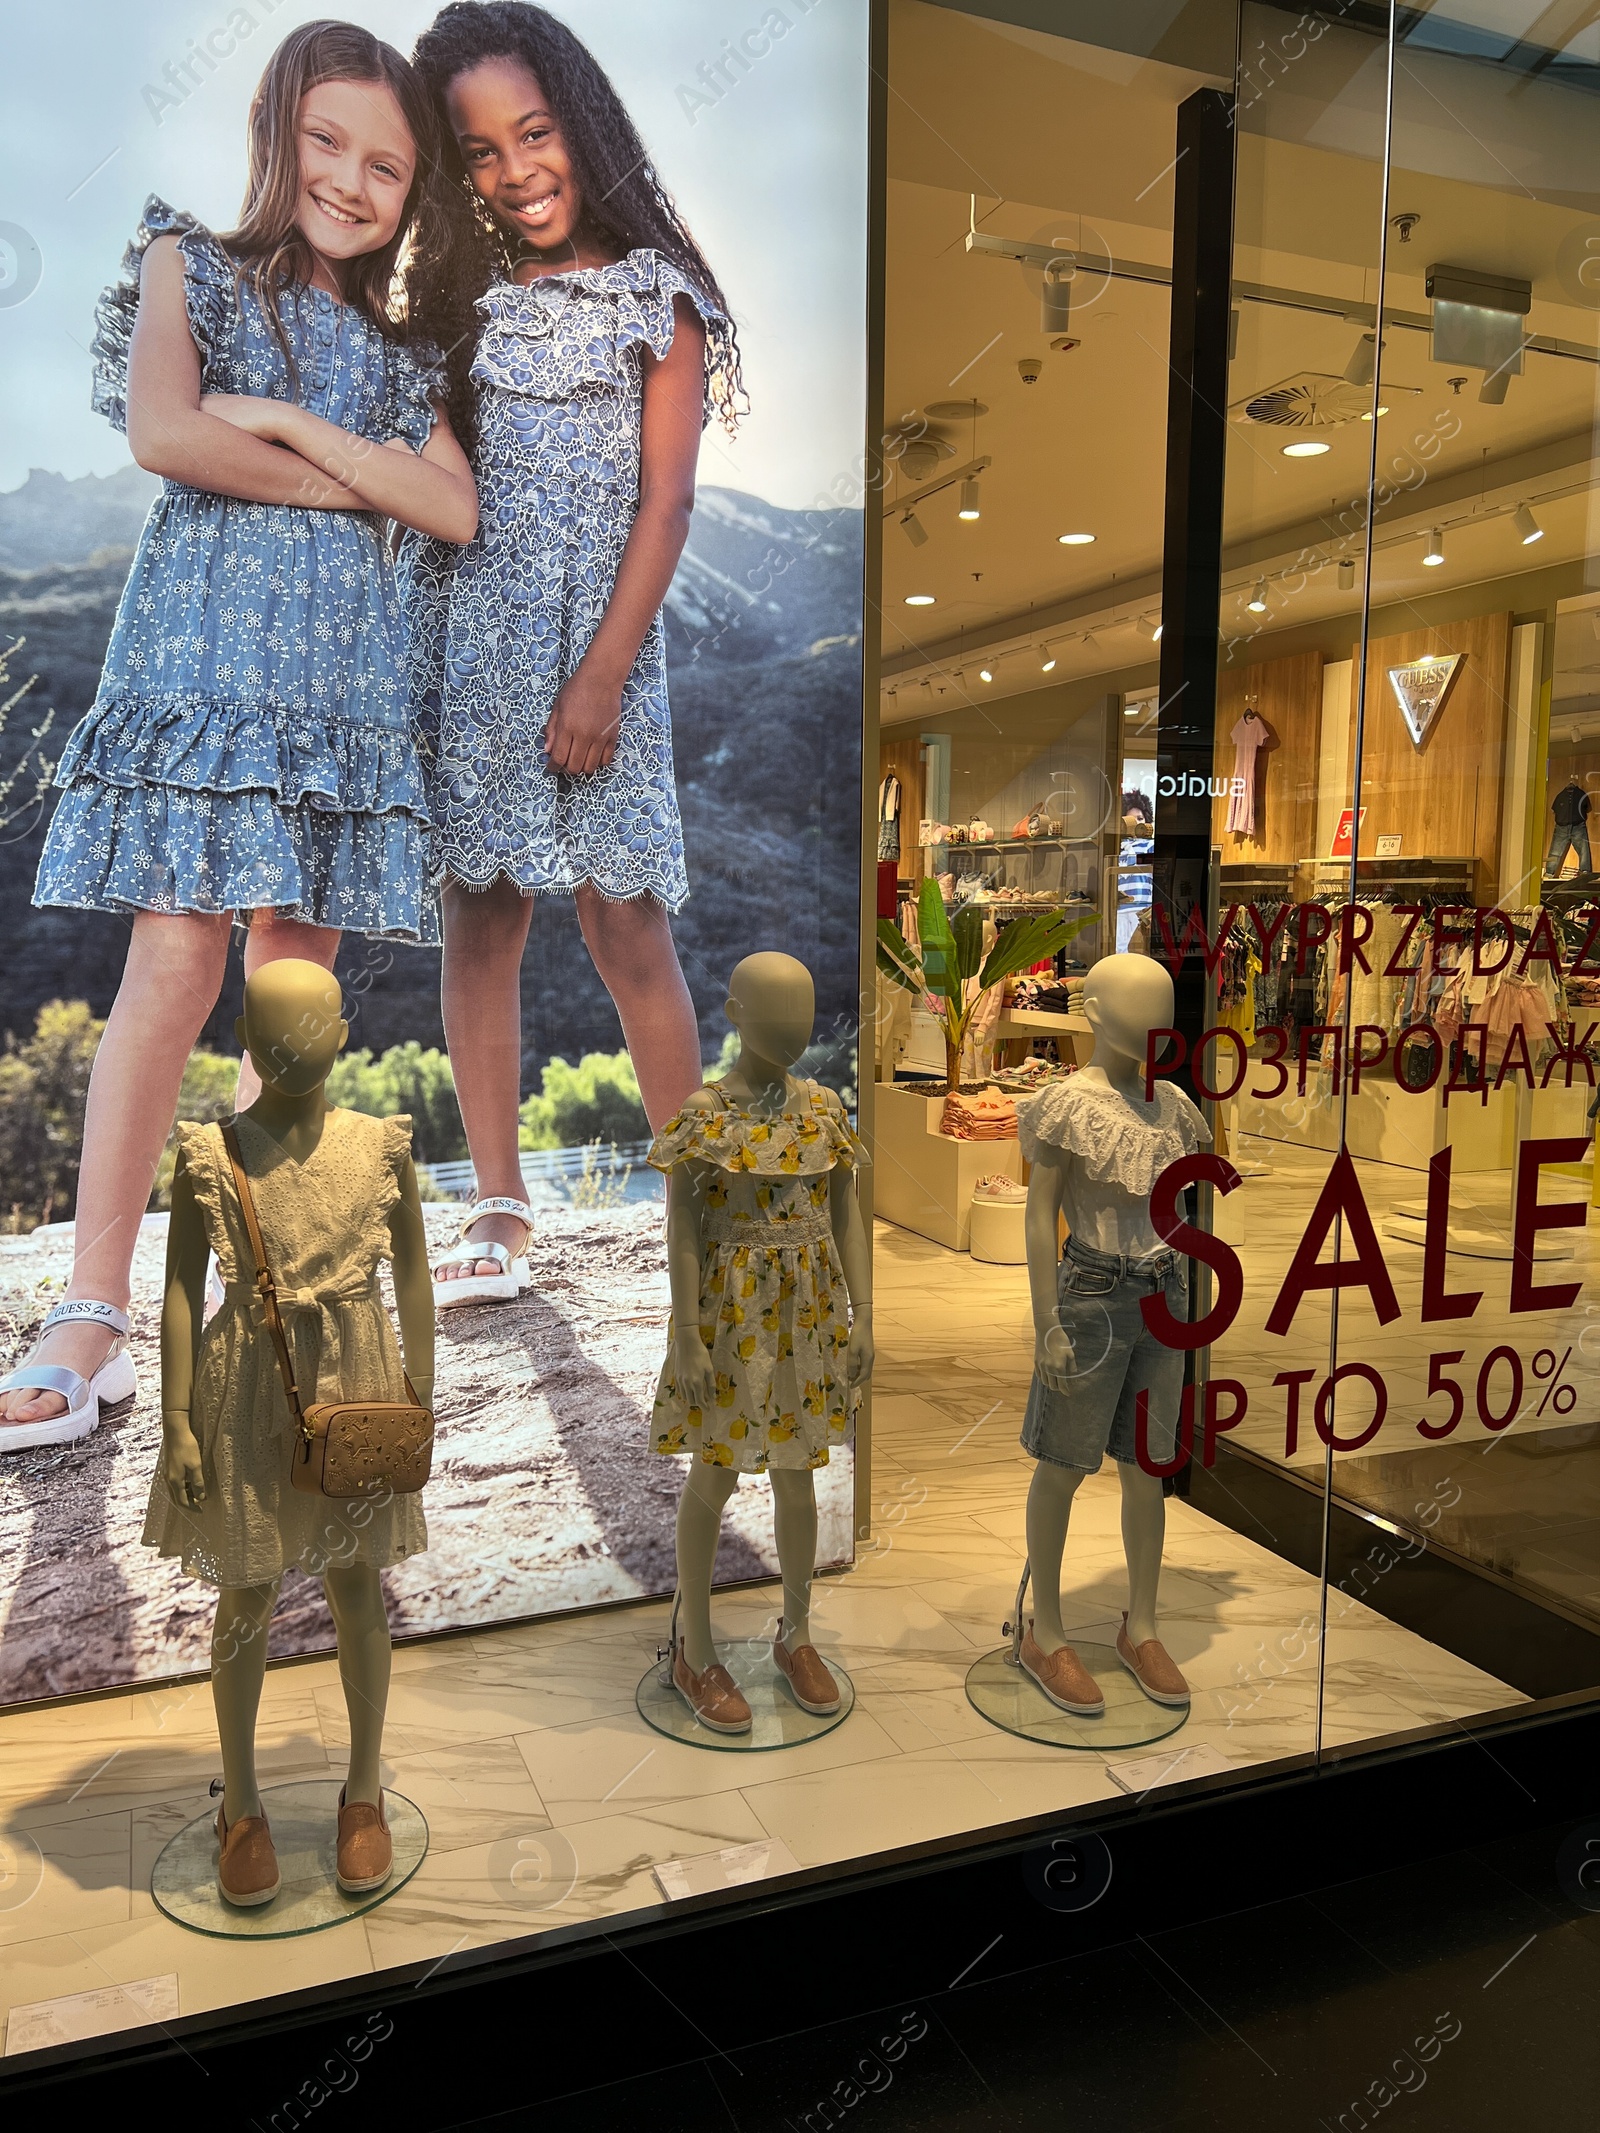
114	1383
513	1277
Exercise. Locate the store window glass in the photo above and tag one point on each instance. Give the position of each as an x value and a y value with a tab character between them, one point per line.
1405	888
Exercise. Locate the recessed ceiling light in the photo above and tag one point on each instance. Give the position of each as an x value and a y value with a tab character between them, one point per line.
1075	540
1528	527
1257	602
919	599
1434	554
1308	448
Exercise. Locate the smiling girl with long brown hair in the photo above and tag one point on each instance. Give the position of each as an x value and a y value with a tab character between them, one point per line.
589	344
248	752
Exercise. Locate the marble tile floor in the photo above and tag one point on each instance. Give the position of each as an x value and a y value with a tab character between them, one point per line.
549	1800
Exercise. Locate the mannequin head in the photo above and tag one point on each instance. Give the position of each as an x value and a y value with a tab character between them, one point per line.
291	1025
772	1003
1125	997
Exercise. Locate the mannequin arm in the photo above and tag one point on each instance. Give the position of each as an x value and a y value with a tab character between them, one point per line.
1052	1350
855	1260
691	1357
182	1309
413	1285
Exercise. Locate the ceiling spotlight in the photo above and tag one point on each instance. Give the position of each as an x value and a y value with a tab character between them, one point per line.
1362	364
1257	602
1149	626
1090	641
1434	554
1048	666
969	498
1528	527
1075	540
1347	574
1308	448
913	529
984	674
1155	634
919	599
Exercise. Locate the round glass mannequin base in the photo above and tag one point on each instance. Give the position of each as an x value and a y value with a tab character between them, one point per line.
776	1720
1014	1701
304	1820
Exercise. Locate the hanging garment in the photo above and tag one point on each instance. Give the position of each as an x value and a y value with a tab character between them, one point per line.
1249	735
889	817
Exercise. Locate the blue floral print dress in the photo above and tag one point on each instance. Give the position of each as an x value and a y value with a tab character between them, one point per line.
250	744
774	1309
498	625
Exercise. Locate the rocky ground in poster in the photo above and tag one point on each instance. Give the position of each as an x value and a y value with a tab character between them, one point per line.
544	1496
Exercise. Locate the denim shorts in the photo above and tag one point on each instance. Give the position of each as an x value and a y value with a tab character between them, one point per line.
1115	1357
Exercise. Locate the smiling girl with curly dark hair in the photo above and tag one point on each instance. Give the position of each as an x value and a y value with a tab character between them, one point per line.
588	344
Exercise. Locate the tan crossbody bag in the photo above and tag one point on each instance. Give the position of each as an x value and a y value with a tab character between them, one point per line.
343	1448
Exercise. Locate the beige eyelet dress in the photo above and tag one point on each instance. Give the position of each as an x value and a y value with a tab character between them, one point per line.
774	1309
326	1226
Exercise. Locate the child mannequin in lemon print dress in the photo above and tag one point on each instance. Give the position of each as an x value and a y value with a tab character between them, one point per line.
771	1334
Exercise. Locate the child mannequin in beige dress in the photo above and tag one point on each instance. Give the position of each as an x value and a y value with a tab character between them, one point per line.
335	1193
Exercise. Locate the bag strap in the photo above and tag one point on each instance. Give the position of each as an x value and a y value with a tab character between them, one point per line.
266	1287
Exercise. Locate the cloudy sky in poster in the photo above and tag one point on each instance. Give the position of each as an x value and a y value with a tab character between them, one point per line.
771	176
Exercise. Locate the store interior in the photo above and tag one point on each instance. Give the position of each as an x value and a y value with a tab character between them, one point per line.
1016	640
1017	729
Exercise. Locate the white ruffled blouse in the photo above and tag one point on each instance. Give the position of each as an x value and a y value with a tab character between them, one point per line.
1121	1150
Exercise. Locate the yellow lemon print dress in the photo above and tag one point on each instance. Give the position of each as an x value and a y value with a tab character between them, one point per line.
773	1306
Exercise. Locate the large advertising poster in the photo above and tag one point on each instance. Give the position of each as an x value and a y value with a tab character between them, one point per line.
544	1495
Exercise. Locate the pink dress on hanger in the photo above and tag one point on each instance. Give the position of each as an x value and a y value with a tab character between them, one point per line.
1248	735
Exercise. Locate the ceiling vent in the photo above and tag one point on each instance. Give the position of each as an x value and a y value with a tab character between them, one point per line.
1310	400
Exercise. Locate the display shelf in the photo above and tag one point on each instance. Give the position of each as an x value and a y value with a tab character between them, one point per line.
1042	1021
1001	844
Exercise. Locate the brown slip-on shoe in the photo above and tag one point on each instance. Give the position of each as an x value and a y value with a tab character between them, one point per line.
713	1696
810	1684
247	1865
366	1849
1063	1676
1151	1666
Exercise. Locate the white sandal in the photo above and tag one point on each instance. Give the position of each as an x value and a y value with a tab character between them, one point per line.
115	1382
513	1277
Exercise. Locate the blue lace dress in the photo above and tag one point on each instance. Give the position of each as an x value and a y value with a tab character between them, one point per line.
498	625
249	744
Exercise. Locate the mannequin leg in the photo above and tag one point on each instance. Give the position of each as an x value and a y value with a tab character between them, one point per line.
1050	1495
355	1600
1144	1528
700	1508
238	1667
794	1522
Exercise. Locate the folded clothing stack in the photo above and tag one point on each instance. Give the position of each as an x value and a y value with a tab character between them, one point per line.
979	1115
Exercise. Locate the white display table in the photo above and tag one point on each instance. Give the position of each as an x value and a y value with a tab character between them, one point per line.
922	1179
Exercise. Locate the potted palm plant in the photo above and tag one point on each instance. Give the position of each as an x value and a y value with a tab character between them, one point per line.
953	973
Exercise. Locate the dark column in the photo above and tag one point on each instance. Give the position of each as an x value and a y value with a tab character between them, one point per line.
1191	575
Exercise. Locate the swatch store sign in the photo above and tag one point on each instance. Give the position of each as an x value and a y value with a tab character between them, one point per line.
1396	1255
